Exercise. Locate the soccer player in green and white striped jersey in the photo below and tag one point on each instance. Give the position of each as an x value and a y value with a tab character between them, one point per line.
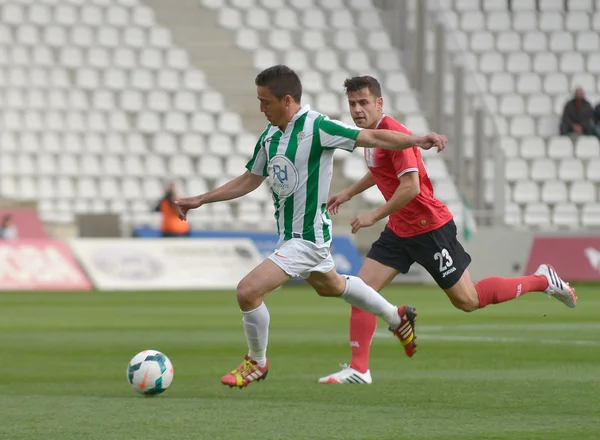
295	154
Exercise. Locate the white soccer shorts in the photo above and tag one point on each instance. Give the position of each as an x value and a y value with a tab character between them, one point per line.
298	257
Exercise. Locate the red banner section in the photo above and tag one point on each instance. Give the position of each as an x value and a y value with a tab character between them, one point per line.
26	221
575	258
39	265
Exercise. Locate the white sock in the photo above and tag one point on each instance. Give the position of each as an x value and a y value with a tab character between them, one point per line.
256	327
358	294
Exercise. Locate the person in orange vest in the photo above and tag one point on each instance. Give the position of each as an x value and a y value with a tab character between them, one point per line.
171	225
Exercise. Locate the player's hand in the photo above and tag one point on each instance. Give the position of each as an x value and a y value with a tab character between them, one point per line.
362	221
334	202
433	140
184	205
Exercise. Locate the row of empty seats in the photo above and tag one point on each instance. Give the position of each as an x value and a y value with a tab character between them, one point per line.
523	21
92	13
124	58
130	145
530	42
57	36
562	215
558	147
548	169
515	5
208	166
144	121
57	79
500	83
579	192
572	63
146	189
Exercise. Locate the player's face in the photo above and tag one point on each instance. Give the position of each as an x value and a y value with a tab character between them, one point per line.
274	109
365	109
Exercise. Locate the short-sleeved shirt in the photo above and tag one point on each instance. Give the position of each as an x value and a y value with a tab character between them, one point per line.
299	165
424	213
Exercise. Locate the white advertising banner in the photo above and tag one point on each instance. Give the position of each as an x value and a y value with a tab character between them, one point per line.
161	264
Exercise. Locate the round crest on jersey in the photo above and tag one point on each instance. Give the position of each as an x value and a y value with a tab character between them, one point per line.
283	175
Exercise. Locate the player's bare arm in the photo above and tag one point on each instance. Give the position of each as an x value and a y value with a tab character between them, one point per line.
238	187
408	189
394	140
334	202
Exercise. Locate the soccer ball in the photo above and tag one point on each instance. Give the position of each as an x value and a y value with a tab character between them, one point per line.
150	372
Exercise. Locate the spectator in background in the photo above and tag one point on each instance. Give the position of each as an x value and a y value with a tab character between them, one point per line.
578	116
8	230
597	120
171	225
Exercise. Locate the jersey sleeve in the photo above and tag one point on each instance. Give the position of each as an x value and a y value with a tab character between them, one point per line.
258	163
405	161
336	134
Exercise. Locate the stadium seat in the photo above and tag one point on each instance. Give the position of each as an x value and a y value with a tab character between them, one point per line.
355	168
532	147
560	147
587	147
211	167
513	215
535	41
220	145
554	192
591	215
543	169
593	170
537	214
570	170
565	214
526	192
518	63
582	192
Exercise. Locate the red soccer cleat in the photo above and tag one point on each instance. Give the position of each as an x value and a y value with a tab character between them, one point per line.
406	330
246	372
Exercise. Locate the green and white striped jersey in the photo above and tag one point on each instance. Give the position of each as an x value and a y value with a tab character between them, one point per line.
299	165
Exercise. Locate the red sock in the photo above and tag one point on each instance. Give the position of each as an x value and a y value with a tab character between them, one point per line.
362	328
494	290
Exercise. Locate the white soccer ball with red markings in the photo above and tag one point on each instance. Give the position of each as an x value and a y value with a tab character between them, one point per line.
150	372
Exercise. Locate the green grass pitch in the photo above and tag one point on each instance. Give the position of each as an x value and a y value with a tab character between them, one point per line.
529	369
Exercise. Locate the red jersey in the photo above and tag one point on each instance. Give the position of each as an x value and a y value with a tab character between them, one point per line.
422	214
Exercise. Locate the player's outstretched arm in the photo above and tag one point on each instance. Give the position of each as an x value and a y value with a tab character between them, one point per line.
334	202
238	187
408	189
395	140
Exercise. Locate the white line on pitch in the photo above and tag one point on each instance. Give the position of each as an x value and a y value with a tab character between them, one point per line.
537	326
495	340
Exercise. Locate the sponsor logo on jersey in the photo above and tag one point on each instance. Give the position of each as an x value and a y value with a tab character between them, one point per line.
283	175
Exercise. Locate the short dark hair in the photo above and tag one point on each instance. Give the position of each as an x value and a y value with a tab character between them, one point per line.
281	81
357	83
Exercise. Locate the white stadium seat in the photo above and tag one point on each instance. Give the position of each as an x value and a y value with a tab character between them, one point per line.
570	170
526	192
560	147
582	192
554	192
587	147
537	214
565	214
591	215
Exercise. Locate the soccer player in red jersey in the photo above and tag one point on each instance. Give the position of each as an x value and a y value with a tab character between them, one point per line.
420	229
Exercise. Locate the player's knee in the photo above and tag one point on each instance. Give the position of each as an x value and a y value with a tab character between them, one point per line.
466	304
247	295
327	290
